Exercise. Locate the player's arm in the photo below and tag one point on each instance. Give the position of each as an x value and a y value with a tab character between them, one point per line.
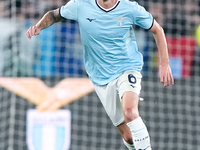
47	20
164	68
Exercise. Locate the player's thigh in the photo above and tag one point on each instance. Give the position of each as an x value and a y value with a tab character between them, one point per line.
130	100
111	102
129	89
129	81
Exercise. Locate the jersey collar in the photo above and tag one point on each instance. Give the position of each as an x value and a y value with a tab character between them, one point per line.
110	9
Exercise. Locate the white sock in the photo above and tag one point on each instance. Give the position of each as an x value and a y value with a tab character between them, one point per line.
140	134
129	146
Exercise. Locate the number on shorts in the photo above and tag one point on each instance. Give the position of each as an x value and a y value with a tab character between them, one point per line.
132	79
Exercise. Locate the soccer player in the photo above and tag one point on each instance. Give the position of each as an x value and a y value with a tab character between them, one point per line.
111	58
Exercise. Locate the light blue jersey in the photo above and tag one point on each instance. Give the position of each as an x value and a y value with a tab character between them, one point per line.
107	35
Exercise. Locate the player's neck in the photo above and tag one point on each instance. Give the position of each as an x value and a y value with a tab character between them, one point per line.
107	4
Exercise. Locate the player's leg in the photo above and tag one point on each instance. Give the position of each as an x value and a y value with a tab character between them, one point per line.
130	102
129	89
110	100
133	130
110	96
134	122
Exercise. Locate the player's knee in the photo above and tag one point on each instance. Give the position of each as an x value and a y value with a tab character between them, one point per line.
130	114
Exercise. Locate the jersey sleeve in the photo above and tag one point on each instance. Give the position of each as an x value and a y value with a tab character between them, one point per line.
141	17
69	11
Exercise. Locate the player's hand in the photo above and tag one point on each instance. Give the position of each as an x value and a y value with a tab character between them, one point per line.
32	31
165	75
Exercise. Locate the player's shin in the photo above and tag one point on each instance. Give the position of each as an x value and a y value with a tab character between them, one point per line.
140	134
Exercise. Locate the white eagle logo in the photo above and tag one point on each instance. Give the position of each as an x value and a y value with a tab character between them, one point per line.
121	19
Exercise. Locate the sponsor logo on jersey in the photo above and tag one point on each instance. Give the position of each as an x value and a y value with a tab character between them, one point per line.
90	20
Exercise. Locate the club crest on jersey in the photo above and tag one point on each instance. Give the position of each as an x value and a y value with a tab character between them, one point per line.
120	19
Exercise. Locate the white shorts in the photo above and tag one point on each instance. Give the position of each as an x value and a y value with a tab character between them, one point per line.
110	95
